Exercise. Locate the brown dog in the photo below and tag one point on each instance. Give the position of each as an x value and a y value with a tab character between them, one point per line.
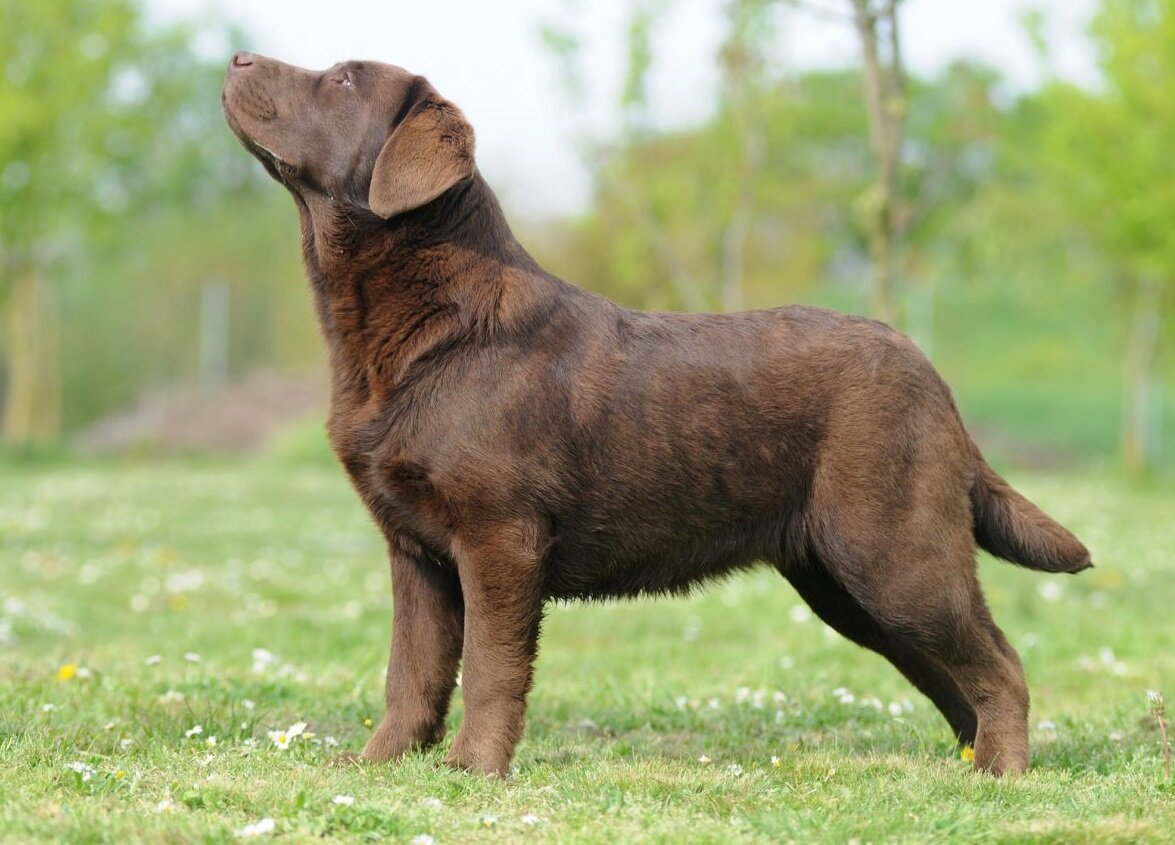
518	439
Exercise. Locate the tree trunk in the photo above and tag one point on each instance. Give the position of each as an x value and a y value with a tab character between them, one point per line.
884	93
1139	440
32	401
742	58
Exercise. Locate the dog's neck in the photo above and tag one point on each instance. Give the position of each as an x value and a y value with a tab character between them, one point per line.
390	291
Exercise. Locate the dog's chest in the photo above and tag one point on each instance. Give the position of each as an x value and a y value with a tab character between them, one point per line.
388	470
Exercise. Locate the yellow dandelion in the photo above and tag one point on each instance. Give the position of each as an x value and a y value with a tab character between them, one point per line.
367	723
119	775
967	753
67	672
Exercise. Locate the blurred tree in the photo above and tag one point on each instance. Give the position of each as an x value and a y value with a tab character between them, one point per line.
702	257
1105	160
105	122
752	228
778	168
952	129
930	141
667	205
994	193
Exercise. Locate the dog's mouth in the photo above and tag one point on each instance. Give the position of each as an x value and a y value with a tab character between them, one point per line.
262	151
277	165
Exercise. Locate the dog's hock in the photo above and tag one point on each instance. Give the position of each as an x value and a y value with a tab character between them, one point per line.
428	153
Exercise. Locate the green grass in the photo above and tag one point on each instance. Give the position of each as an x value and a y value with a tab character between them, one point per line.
105	566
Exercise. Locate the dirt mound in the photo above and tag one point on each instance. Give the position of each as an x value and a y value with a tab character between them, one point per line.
240	417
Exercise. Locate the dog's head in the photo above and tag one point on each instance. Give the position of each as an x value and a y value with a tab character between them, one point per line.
369	134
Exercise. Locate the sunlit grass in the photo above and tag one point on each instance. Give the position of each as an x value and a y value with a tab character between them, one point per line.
138	604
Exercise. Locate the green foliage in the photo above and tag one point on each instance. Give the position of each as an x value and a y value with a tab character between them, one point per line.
55	96
107	567
1096	164
121	194
1106	153
107	116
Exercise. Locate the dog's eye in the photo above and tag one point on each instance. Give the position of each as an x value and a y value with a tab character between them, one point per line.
347	81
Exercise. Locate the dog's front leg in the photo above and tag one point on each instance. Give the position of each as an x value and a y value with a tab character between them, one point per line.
501	580
427	630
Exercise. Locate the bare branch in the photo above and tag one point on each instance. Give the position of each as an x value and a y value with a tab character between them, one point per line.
895	77
872	78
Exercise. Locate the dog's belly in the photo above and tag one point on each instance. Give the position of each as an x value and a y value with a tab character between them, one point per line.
626	541
591	571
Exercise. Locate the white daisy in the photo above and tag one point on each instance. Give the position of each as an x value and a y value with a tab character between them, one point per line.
82	769
281	739
259	828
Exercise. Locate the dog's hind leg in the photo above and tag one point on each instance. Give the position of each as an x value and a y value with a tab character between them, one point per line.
890	518
832	603
427	629
927	602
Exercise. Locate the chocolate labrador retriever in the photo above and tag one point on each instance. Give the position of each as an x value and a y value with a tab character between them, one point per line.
519	440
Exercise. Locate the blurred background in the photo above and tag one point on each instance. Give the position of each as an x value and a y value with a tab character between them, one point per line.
996	179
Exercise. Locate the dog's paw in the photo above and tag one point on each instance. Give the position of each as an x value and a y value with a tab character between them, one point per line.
463	761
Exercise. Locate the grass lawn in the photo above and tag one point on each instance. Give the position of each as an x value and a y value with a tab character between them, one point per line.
157	621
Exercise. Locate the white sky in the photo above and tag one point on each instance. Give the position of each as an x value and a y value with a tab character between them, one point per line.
487	57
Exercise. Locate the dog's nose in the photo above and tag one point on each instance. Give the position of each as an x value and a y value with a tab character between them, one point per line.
242	59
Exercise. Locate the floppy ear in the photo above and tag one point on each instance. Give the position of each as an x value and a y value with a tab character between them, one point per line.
428	153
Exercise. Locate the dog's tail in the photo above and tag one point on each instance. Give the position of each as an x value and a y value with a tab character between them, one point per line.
1011	527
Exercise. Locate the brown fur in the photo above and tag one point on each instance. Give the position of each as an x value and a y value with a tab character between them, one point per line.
520	440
